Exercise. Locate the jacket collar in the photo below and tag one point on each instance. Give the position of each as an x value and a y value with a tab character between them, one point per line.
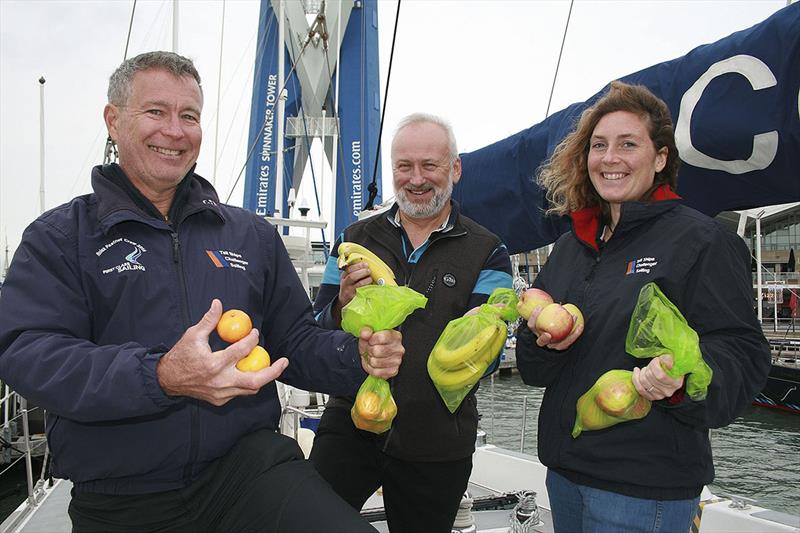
586	222
393	216
118	200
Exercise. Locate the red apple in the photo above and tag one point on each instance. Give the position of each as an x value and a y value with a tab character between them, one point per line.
575	312
556	321
616	395
530	300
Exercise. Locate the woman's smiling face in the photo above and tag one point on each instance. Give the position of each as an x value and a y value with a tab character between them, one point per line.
623	160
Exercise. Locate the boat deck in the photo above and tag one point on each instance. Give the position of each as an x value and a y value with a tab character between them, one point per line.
51	514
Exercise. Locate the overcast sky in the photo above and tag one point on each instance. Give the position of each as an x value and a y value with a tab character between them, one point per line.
487	65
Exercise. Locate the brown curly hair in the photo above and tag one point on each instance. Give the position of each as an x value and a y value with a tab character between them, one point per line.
565	176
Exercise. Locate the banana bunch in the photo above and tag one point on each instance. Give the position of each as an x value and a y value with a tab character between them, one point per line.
453	368
351	253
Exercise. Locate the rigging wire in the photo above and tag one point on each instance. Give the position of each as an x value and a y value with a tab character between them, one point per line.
373	188
219	88
110	153
130	30
280	95
558	63
301	112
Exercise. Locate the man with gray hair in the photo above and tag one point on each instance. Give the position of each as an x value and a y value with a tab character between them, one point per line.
108	318
424	460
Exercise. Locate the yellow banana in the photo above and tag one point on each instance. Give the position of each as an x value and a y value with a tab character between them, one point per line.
467	373
499	342
467	352
351	253
451	379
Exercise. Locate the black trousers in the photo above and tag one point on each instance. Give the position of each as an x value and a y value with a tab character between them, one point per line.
419	497
262	485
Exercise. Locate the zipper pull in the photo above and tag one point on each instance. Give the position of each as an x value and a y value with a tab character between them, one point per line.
176	248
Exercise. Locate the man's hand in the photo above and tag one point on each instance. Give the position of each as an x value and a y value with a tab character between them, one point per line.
191	369
352	277
543	339
381	352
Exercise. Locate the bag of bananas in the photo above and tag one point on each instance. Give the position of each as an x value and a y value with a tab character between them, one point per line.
378	307
465	349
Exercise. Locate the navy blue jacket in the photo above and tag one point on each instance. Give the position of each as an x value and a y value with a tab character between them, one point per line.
100	288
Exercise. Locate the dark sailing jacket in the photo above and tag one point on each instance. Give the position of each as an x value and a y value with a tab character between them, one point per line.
446	272
704	269
101	287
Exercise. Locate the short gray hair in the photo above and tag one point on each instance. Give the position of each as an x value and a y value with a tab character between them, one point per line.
427	118
119	85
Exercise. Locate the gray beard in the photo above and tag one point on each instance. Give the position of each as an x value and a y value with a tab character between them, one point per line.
440	199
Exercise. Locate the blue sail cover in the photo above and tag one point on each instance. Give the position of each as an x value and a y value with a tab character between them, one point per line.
261	171
734	104
359	115
359	112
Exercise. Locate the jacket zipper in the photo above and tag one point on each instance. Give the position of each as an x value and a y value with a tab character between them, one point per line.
195	408
400	328
409	276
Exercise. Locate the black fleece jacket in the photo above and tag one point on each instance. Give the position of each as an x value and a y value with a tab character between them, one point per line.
704	270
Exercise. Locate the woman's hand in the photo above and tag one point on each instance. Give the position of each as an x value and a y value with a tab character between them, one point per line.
652	381
544	339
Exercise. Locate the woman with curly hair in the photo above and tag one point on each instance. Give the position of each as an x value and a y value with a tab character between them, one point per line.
615	176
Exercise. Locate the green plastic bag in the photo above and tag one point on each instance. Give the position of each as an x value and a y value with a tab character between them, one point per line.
611	400
378	307
463	352
507	300
657	327
374	408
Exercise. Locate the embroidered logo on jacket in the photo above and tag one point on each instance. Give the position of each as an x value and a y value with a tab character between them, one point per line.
227	259
131	257
641	266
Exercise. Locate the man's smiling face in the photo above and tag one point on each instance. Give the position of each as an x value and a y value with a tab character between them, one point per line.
158	129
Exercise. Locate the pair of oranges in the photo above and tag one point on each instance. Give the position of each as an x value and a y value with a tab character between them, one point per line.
233	326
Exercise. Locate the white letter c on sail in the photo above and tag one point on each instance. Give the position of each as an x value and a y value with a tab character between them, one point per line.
765	145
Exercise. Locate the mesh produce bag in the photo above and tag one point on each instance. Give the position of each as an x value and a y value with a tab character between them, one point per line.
507	300
657	327
611	400
463	352
378	307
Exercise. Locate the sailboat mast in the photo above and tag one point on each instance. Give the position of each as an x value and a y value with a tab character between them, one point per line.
278	179
175	26
41	144
336	124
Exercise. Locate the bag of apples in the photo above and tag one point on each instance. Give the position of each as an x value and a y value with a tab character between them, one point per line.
378	307
657	327
611	400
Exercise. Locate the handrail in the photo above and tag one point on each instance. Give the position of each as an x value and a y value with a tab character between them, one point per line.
15	406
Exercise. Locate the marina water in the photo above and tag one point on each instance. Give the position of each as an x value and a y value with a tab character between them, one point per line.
757	457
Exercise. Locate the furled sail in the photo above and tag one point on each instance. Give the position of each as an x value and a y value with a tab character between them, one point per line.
734	104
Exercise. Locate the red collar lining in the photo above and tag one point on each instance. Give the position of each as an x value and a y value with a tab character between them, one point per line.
586	221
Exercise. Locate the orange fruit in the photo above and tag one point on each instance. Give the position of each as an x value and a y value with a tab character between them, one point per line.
234	325
257	359
368	405
389	410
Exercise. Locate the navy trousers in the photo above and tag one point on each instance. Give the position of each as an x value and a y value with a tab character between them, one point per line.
264	484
